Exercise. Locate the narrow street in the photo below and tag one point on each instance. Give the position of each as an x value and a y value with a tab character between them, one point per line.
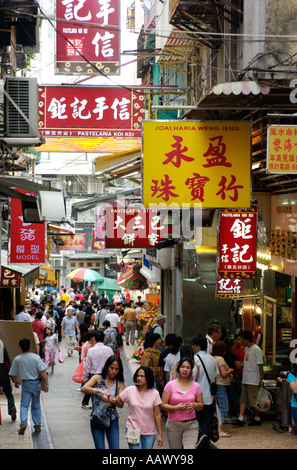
65	425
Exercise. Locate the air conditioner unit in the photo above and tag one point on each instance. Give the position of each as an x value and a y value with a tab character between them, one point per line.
58	263
163	259
22	95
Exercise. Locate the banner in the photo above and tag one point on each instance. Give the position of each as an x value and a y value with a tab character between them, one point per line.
80	37
133	227
27	240
281	149
193	162
227	288
238	244
90	112
73	242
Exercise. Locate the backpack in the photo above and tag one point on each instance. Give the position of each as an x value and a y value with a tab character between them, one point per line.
147	334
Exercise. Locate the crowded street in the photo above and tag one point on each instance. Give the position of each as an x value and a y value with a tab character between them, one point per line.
65	425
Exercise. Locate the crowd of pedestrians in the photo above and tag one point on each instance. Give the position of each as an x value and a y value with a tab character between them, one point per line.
174	381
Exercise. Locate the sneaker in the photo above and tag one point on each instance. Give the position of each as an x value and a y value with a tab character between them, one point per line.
202	442
238	422
85	407
13	414
254	422
37	428
22	429
227	420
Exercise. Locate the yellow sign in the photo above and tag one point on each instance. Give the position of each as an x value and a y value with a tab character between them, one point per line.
191	163
282	149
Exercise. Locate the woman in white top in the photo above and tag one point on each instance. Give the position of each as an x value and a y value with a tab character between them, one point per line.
172	357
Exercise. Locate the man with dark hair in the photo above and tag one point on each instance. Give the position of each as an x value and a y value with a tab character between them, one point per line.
28	366
252	377
97	356
199	345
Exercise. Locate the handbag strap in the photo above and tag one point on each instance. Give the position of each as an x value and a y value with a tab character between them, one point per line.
204	369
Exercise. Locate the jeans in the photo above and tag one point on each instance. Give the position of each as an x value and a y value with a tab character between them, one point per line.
222	397
5	384
30	395
146	442
294	414
112	435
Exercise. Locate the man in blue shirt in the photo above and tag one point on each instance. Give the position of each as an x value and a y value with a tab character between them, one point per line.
28	366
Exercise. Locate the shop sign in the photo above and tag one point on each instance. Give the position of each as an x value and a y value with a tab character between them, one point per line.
27	240
73	242
9	278
90	112
228	288
88	32
281	149
238	244
133	227
97	245
195	163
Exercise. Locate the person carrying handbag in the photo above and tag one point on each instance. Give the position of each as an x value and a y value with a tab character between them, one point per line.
102	388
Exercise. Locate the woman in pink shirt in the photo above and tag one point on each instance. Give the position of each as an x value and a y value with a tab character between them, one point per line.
181	399
145	413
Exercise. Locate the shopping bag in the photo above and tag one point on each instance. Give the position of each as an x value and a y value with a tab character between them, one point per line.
264	399
78	375
60	357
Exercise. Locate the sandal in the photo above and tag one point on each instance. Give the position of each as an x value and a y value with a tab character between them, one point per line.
225	434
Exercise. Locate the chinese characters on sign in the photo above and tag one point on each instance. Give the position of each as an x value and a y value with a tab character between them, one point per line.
9	278
196	163
73	242
228	288
79	36
281	149
133	228
238	244
27	240
90	112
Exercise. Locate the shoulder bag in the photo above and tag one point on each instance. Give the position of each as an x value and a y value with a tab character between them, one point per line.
213	385
101	413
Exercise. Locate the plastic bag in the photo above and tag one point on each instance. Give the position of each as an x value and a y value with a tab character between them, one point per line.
78	375
60	357
264	400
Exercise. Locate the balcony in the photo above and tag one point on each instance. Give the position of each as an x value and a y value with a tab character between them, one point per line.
206	17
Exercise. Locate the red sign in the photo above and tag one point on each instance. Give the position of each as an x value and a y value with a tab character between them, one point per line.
238	244
80	37
228	288
73	242
90	112
27	240
9	278
97	245
133	227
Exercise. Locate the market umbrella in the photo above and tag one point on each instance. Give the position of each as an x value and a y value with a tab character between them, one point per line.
85	274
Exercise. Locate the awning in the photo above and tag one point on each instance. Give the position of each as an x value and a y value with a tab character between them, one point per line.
21	269
119	165
178	48
47	272
238	97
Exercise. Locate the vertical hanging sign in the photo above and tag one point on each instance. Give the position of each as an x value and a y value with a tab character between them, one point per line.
238	244
88	29
27	240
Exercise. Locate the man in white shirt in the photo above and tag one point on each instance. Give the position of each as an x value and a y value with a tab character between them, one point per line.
252	378
22	315
199	345
214	333
113	317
